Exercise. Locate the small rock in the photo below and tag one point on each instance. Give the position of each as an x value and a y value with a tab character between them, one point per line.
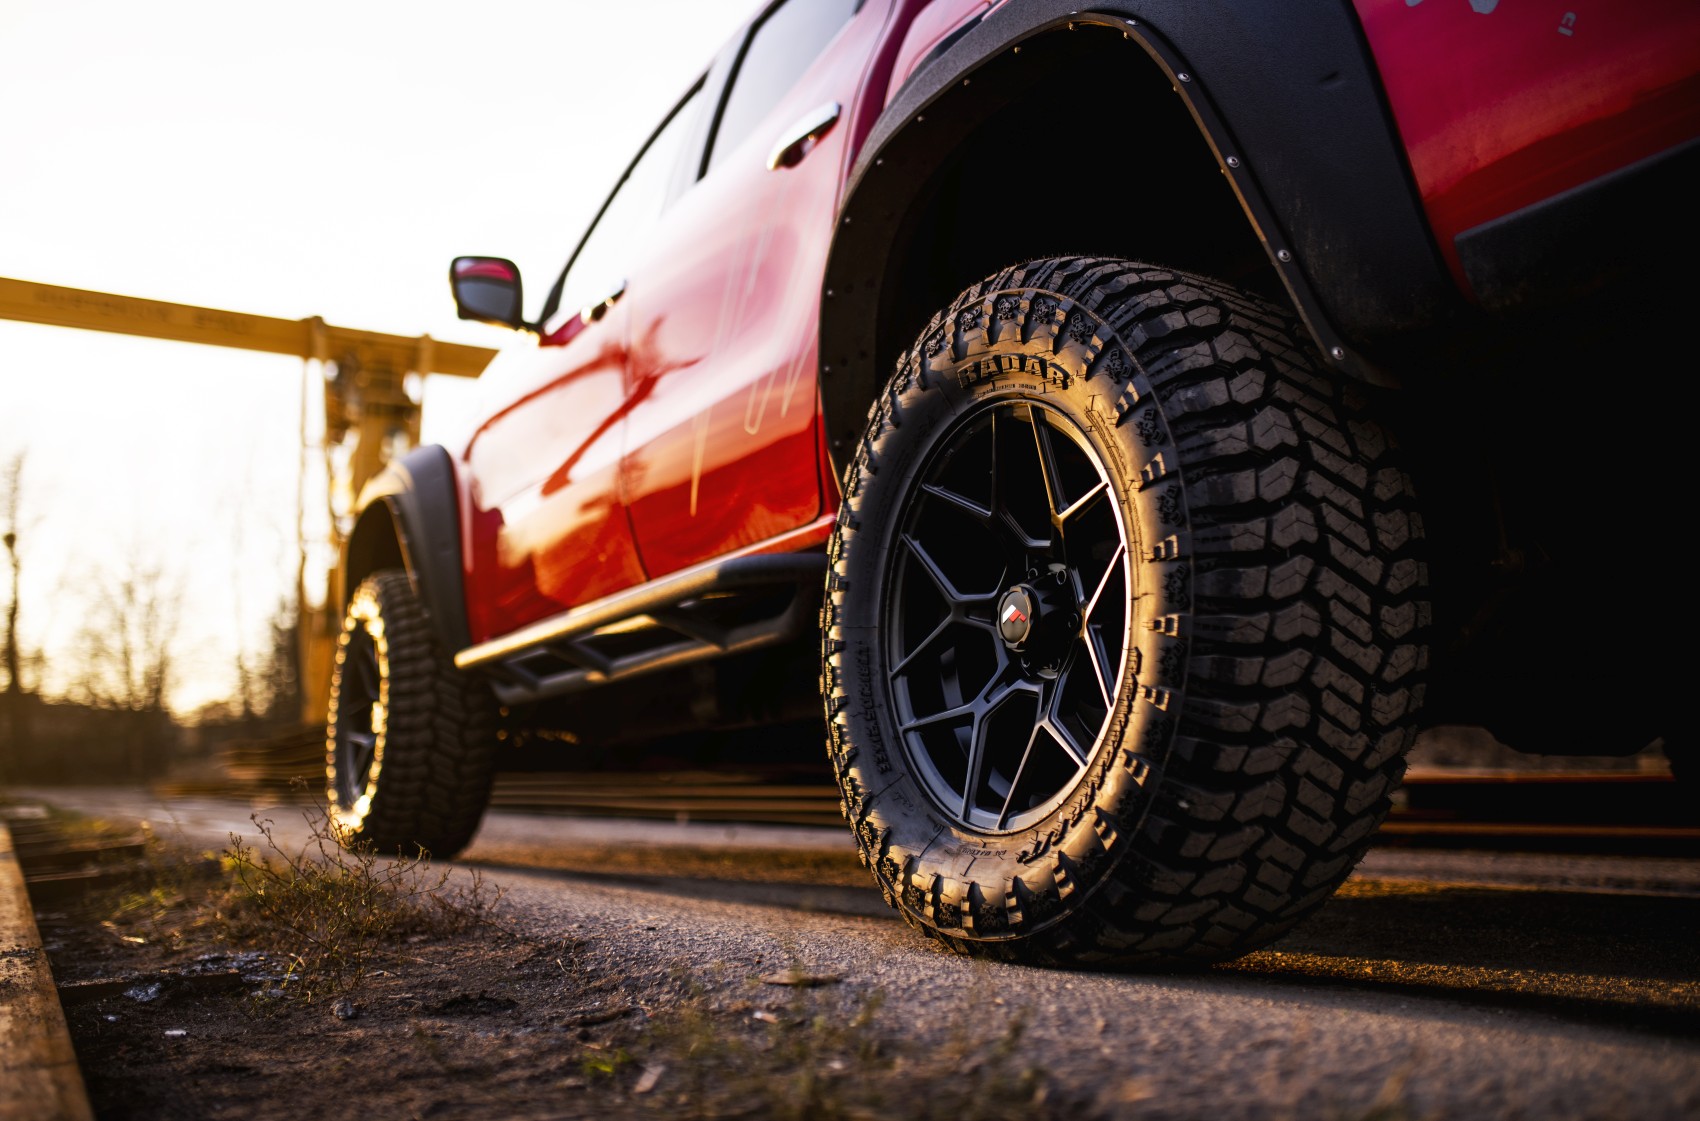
345	1009
800	979
647	1080
144	994
764	1016
110	1018
176	1033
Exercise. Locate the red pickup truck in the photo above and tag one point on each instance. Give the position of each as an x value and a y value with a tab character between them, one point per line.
1139	420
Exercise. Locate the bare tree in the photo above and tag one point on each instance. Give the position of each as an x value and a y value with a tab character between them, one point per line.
17	711
128	658
128	642
280	671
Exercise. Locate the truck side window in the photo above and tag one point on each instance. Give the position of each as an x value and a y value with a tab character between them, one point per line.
597	269
782	46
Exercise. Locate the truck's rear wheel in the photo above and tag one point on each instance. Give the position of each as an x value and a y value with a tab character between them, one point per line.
410	747
1124	625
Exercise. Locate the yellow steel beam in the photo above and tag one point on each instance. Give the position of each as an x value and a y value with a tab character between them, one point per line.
305	338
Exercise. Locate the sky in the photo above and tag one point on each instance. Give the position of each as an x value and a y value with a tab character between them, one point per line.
310	158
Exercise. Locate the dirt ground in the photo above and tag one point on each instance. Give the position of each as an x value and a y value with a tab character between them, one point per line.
641	980
178	1011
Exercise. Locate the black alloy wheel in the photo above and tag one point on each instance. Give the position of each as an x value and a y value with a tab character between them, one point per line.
360	716
1008	616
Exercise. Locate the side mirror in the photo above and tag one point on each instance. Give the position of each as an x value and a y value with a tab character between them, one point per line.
487	289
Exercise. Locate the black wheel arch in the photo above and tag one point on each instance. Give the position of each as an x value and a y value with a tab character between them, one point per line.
1317	206
410	518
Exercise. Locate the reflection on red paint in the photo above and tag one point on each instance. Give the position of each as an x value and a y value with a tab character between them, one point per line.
684	425
548	530
1500	109
723	437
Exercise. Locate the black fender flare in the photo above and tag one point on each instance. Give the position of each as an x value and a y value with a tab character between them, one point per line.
1292	108
410	515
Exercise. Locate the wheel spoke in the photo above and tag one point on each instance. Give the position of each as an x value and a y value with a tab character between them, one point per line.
1065	739
941	717
365	742
961	502
1047	462
1085	500
1026	754
1095	655
1052	722
976	762
940	580
1103	582
995	693
944	624
366	665
1015	538
989	701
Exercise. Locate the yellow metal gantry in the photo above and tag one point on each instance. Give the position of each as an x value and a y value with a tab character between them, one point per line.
365	396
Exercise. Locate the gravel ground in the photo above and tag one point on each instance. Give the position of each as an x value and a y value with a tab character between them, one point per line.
1436	985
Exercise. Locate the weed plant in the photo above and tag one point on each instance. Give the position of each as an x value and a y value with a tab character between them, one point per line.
336	911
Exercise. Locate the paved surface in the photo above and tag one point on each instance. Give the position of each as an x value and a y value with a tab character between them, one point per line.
1438	984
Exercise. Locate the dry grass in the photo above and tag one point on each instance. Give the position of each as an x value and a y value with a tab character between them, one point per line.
336	912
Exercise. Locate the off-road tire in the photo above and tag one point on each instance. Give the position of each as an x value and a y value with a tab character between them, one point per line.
433	733
1275	639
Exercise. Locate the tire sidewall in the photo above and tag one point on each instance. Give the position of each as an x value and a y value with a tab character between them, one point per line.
968	883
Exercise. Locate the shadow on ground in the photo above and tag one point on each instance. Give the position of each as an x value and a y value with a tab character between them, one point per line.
1613	957
1632	959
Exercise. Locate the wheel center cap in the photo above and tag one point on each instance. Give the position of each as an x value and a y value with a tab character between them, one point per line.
1017	612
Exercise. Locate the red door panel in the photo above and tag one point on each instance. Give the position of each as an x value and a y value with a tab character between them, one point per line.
547	529
721	436
1503	103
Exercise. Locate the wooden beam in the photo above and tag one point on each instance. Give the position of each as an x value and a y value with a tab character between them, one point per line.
39	1077
54	306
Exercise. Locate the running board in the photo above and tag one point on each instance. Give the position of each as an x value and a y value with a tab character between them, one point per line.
732	607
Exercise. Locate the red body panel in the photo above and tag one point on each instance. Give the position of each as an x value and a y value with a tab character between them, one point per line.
547	529
724	429
1503	108
685	425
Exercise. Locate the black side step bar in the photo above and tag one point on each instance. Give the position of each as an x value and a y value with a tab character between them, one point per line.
729	607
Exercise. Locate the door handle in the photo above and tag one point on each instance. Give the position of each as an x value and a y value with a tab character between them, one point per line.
595	311
800	139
